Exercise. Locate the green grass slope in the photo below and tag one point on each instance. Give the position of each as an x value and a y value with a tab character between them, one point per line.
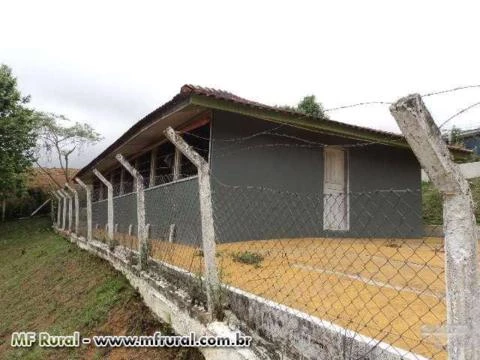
48	284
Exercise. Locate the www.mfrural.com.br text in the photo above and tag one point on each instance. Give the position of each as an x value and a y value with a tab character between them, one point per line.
47	340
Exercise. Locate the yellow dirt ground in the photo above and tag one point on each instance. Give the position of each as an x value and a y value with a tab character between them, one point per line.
386	289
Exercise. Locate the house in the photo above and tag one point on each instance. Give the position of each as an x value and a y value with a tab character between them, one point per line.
469	138
275	173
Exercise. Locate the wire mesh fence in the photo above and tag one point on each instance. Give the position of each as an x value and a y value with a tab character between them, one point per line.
359	260
363	261
368	265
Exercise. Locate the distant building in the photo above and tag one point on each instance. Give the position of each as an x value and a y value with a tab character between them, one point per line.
471	139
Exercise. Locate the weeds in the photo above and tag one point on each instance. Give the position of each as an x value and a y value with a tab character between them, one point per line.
248	257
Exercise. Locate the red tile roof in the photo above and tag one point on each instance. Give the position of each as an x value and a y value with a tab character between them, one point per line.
217	94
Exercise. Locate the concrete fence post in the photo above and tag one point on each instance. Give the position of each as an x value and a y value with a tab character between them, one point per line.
142	231
59	210
208	230
88	192
52	211
59	202
461	259
109	203
77	206
70	208
64	209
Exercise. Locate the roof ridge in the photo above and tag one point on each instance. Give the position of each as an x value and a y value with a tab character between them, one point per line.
210	91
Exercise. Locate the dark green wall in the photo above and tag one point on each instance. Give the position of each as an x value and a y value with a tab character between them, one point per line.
164	205
271	186
174	204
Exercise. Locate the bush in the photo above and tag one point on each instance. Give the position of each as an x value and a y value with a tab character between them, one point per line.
248	257
432	202
23	206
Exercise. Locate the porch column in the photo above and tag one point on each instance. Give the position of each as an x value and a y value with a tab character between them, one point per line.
100	192
122	180
153	166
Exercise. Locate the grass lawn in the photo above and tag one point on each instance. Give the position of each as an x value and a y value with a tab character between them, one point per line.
48	284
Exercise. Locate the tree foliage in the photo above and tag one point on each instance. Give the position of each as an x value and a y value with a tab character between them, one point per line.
311	107
455	136
60	137
17	135
308	106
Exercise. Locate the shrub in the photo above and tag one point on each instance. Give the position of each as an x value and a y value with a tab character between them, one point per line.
248	257
431	204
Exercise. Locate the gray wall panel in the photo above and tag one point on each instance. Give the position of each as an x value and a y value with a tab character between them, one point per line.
99	213
275	188
176	203
125	213
294	169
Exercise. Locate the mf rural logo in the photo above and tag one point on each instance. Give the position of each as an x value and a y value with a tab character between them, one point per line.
44	339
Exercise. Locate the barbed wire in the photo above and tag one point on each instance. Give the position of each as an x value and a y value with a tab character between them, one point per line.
359	104
464	110
455	89
459	88
235	139
217	180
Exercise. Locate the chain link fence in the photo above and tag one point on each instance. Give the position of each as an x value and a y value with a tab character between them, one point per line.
365	262
362	269
358	260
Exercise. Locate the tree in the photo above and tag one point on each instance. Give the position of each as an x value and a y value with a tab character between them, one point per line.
455	136
308	106
58	137
17	136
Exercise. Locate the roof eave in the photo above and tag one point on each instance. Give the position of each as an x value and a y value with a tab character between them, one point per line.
142	125
311	123
262	112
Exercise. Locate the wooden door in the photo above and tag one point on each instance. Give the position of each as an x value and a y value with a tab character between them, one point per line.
335	197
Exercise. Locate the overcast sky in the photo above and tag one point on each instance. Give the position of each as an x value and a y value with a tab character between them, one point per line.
109	63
